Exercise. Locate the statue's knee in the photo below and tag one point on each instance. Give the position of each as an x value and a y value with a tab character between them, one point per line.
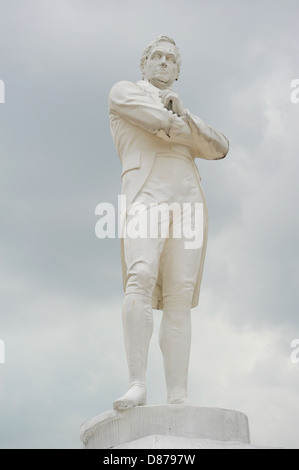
141	280
180	296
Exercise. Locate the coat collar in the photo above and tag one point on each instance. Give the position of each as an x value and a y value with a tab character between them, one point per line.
148	87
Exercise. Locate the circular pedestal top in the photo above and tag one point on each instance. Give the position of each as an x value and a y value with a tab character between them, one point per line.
113	428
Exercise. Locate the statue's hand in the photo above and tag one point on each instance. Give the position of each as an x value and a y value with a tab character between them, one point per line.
173	102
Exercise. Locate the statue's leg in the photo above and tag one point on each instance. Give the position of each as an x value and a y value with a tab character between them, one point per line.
175	341
179	269
137	326
142	260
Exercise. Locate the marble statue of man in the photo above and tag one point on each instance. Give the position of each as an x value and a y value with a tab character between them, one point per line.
157	140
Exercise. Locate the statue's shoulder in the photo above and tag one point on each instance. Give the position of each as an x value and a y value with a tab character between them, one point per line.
122	91
123	86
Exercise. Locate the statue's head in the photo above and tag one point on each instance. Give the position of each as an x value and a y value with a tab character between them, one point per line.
161	62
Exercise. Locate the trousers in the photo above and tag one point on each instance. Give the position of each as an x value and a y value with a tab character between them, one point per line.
161	259
165	259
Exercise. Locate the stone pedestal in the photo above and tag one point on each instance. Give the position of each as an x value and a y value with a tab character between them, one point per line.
166	426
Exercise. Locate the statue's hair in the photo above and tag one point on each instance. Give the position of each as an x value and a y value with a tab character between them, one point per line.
147	51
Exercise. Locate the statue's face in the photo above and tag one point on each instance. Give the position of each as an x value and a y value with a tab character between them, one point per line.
161	67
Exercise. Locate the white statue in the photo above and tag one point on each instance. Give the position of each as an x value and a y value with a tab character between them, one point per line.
157	140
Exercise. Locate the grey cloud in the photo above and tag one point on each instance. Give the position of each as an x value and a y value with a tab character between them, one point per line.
58	61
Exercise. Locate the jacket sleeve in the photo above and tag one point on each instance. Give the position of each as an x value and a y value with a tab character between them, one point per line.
128	101
208	143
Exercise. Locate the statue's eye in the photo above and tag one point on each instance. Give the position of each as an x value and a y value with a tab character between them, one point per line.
156	55
171	58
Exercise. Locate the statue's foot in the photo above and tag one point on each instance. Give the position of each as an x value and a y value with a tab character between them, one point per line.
135	396
181	401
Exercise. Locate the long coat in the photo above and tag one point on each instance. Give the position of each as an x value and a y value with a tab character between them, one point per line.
142	127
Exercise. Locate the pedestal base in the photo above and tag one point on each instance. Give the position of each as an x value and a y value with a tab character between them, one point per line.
172	442
117	429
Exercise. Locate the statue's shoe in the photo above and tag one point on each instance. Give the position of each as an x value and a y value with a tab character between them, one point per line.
135	396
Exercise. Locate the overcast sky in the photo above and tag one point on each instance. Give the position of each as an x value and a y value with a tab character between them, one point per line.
61	287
